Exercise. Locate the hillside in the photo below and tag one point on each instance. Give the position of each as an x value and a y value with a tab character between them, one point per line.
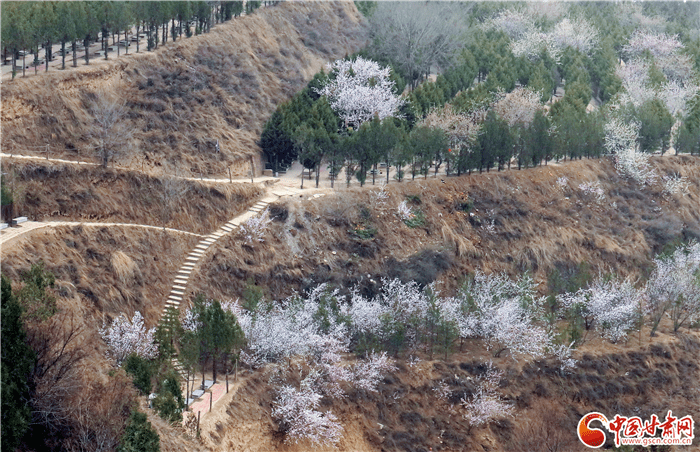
563	224
179	100
513	222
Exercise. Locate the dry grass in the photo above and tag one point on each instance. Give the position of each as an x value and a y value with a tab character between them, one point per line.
68	192
102	272
406	415
185	96
124	267
519	221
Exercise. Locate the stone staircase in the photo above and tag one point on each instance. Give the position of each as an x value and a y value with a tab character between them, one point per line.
179	288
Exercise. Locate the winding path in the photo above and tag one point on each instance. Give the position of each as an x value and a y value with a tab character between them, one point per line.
9	234
124	168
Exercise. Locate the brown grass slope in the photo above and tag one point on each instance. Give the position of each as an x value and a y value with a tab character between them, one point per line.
47	191
107	270
183	97
519	221
406	415
101	272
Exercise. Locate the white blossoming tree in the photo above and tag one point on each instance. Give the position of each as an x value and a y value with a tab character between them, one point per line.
125	337
621	141
504	313
612	307
297	412
577	33
360	90
674	288
486	405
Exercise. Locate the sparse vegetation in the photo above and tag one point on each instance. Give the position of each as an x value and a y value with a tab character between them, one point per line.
442	313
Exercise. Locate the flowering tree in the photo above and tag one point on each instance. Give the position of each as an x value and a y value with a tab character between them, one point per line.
658	44
125	337
513	22
593	189
577	33
369	372
254	229
518	107
297	412
635	81
360	90
504	313
621	140
610	306
486	404
675	185
532	44
674	288
405	212
461	129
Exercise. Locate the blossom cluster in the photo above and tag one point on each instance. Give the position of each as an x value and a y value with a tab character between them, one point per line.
461	128
674	286
254	229
297	411
486	404
593	189
518	107
675	185
360	90
527	39
124	337
405	212
612	306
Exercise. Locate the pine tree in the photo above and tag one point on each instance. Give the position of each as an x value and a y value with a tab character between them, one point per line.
139	435
17	364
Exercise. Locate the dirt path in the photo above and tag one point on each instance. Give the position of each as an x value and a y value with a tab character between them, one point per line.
255	180
8	236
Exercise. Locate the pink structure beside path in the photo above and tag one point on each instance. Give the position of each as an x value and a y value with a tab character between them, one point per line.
202	404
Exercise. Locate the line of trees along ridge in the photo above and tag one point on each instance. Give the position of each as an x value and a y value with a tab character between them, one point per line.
28	25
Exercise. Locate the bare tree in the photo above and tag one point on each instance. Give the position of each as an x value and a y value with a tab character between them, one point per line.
59	346
417	36
109	132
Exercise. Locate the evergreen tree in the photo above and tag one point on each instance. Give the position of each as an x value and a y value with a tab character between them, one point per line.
141	370
219	332
17	364
656	123
139	435
495	142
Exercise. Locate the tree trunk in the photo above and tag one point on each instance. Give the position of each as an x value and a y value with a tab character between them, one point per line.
213	361
318	173
138	38
14	63
24	64
118	34
387	172
374	173
47	54
63	54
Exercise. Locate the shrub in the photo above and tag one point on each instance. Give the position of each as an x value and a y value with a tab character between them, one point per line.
139	436
364	231
141	371
169	403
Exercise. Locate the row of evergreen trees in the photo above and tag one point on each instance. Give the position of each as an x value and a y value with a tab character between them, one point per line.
28	25
307	128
